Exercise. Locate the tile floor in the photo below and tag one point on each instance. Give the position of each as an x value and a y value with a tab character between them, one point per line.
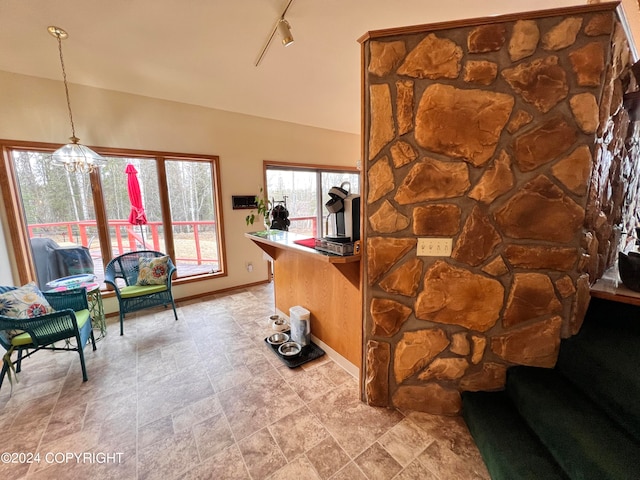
205	398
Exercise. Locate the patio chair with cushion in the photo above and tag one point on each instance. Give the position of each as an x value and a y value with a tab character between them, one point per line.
145	281
31	320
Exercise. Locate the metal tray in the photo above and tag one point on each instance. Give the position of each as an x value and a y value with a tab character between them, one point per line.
308	353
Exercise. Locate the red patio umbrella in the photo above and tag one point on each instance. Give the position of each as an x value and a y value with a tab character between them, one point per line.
137	215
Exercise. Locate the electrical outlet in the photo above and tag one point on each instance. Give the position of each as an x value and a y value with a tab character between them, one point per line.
434	247
249	266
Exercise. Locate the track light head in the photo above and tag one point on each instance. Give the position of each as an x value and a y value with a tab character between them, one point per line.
285	31
284	28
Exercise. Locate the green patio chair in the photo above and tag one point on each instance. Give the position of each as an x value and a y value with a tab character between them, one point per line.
145	281
68	327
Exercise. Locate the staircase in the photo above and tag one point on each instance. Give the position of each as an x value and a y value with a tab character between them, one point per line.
580	420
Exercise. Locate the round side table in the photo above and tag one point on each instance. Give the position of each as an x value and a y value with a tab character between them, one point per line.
94	298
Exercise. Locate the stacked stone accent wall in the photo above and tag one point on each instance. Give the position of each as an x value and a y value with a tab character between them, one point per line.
507	135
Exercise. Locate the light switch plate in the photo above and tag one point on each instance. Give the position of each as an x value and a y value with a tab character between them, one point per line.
434	247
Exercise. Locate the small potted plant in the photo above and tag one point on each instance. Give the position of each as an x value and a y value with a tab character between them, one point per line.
263	207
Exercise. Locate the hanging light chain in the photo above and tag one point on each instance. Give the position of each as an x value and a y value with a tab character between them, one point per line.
74	139
74	156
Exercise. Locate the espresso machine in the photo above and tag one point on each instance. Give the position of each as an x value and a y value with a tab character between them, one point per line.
343	221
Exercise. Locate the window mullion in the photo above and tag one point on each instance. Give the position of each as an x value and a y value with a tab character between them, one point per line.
100	211
165	207
319	217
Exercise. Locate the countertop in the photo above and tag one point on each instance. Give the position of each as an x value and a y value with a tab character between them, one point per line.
286	240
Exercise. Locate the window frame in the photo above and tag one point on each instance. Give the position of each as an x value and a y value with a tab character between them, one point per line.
318	169
17	237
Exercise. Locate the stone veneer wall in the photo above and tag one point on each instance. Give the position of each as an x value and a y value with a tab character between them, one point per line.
507	135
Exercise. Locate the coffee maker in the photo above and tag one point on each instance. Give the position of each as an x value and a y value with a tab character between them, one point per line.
343	221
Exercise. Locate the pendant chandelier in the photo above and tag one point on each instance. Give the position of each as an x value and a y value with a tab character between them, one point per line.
74	156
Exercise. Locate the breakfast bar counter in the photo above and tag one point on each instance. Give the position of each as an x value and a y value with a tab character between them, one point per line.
610	287
327	285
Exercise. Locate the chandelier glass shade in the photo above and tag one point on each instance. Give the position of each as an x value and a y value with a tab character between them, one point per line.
74	156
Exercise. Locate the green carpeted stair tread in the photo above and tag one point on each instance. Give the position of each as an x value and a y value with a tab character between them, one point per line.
582	438
613	315
616	338
603	363
508	447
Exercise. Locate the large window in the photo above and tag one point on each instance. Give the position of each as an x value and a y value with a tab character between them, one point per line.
80	213
306	190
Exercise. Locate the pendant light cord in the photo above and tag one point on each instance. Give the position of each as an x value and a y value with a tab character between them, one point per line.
74	139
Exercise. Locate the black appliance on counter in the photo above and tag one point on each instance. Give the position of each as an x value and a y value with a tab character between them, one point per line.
343	222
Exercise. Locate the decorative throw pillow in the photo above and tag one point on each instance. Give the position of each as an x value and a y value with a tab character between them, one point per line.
153	270
24	302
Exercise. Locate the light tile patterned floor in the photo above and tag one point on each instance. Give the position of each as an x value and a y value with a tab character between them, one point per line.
205	398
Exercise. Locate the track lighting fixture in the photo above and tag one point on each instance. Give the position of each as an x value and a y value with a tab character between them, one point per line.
282	26
285	30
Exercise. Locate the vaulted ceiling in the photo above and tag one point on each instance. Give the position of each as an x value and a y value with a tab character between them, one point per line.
203	52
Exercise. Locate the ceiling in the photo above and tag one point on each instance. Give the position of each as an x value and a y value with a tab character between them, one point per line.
203	52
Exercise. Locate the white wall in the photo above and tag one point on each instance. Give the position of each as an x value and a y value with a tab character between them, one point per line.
34	109
632	16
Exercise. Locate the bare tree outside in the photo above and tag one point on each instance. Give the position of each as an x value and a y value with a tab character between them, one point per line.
59	205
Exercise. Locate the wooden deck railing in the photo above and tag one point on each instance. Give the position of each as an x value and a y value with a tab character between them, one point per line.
124	235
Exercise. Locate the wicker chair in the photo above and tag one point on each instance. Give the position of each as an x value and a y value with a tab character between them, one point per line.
70	322
132	296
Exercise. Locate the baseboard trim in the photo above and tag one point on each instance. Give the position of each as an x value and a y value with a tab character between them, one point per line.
350	368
